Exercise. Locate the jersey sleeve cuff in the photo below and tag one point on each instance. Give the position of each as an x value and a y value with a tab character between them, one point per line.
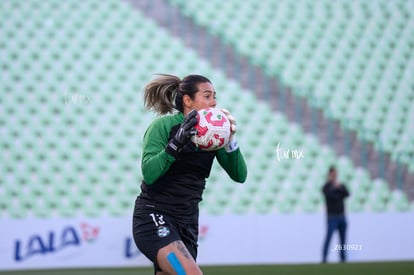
232	145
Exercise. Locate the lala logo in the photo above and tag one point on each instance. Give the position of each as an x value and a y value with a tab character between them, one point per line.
89	233
54	241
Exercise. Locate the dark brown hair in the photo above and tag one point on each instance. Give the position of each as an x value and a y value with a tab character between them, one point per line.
165	93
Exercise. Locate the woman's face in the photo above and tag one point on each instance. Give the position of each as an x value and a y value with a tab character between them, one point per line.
205	97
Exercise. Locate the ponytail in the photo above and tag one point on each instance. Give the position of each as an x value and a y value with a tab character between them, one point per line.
165	93
160	93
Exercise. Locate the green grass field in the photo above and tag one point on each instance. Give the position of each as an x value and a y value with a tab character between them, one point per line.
375	268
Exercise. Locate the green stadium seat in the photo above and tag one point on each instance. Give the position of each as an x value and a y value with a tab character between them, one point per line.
82	164
347	61
399	201
381	189
345	169
376	204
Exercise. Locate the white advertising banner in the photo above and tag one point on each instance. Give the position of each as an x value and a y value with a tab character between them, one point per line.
228	239
61	243
298	238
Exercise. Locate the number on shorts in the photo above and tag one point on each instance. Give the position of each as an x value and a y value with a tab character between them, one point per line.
158	219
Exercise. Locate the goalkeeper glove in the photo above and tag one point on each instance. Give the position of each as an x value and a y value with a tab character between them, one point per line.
183	135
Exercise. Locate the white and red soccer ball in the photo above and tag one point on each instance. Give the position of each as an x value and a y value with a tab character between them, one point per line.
214	129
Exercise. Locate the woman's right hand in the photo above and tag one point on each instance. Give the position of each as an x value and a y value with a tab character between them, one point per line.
183	135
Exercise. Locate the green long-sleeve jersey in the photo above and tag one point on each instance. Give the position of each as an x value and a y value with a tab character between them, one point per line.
175	185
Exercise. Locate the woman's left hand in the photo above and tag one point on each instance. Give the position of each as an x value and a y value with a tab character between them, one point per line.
232	145
232	120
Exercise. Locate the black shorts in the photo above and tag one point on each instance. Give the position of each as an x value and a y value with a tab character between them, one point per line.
152	230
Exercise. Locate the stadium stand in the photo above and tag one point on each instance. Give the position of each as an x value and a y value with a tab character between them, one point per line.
72	116
354	57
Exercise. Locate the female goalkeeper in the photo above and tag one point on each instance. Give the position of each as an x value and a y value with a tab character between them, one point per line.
165	220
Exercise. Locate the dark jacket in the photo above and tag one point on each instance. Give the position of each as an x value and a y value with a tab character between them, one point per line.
334	198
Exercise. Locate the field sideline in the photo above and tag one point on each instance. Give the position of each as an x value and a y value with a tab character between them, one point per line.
377	268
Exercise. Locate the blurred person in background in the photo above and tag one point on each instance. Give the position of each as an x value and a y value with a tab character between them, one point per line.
335	194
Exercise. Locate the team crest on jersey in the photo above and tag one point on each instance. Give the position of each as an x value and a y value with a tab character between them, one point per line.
163	231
